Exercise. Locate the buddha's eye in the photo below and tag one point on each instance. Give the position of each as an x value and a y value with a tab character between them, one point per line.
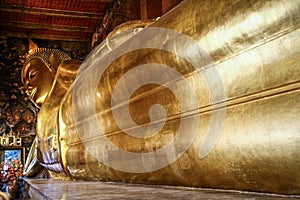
32	74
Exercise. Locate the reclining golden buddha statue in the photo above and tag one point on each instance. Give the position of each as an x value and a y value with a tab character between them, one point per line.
205	96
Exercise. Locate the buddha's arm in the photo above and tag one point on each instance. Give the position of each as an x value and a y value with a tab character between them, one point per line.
32	166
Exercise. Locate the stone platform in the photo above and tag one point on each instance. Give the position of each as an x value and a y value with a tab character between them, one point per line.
40	189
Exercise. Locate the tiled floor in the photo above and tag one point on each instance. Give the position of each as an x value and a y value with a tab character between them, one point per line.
56	189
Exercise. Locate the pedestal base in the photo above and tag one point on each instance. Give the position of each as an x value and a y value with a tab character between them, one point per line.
57	189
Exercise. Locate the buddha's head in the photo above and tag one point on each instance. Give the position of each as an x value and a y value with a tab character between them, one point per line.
39	71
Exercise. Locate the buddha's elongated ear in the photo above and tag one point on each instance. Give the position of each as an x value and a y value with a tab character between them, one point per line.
54	61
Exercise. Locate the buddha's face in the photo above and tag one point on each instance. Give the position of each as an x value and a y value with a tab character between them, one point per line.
38	81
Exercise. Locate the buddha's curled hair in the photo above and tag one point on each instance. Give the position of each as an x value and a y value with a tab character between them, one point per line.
44	55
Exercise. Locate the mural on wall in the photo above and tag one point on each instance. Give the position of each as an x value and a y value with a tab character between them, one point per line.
17	113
